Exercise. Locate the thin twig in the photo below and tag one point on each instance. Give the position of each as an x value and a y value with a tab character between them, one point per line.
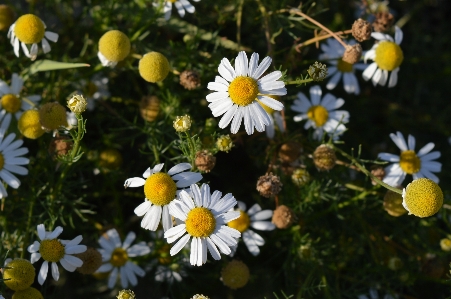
319	38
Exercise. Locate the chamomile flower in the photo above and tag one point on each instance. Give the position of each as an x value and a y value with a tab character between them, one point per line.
180	5
116	257
11	99
419	165
30	30
387	56
239	92
205	217
53	250
333	51
252	218
160	189
321	114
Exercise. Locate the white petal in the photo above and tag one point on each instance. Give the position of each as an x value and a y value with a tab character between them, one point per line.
194	253
368	73
388	157
51	36
399	140
143	208
55	272
74	261
212	248
56	232
270	102
262	215
166	218
139	249
76	249
45	46
315	95
263	225
264	65
179	245
41	231
35	256
67	266
43	272
113	277
34	247
398	35
393	78
179	168
128	240
134	182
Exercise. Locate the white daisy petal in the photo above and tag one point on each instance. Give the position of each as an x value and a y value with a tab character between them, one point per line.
388	157
113	277
43	272
134	182
69	267
179	168
426	149
368	73
212	249
264	65
263	225
55	272
179	245
143	208
35	256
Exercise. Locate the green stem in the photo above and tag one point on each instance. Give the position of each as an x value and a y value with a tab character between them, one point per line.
30	215
192	150
298	82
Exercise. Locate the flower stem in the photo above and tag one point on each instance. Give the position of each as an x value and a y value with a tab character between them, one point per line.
299	82
318	38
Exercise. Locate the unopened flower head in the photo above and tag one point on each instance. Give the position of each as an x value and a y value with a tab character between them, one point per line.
153	67
445	244
29	293
182	123
29	124
18	274
317	71
224	143
114	46
200	296
324	157
126	294
77	104
235	274
422	197
52	116
300	177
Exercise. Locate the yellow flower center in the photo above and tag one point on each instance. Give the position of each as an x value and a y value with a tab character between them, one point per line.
29	124
242	223
318	114
29	29
200	222
20	274
423	197
160	189
52	250
445	244
388	55
11	103
52	116
343	66
153	67
409	162
29	293
164	257
119	257
172	1
114	45
235	275
243	90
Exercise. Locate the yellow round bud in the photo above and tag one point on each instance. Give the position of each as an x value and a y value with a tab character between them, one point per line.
153	67
114	45
126	294
52	116
29	124
235	274
30	293
182	123
6	17
422	198
18	274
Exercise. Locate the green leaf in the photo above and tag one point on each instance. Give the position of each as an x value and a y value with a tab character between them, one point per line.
50	65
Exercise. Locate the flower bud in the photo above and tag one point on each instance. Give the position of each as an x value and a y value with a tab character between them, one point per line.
77	104
190	79
182	123
324	158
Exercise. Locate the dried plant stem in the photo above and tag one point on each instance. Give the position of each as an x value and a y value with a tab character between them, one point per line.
266	26
318	38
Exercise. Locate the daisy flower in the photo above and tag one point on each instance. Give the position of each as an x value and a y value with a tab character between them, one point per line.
321	114
12	101
239	92
116	256
54	250
160	189
252	218
387	56
419	165
204	218
30	30
180	5
333	51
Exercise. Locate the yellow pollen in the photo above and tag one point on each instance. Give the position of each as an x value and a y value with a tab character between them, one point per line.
243	90
200	222
343	66
52	250
11	103
389	55
119	257
409	162
29	29
242	223
318	114
160	189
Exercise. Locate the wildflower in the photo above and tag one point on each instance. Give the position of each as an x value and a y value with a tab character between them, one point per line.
52	116
197	296
182	123
190	79
418	164
29	124
205	161
324	157
361	30
126	294
160	189
269	185
77	104
180	5
30	293
240	90
422	197
114	46
300	177
252	218
30	29
224	143
387	56
445	244
317	71
54	250
153	67
205	217
333	52
321	114
235	274
149	107
283	217
116	257
92	260
393	204
275	118
6	17
18	274
12	101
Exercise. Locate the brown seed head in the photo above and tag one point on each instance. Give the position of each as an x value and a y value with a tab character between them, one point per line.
361	30
383	21
205	161
283	217
92	260
289	151
324	157
190	79
149	107
269	185
352	53
60	146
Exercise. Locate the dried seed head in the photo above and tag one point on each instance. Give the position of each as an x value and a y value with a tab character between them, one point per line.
269	185
190	79
149	107
361	30
324	157
383	22
317	71
378	172
60	146
92	260
205	161
289	151
283	217
352	53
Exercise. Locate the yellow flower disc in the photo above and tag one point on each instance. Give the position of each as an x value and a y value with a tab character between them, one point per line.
29	124
343	66
318	114
29	29
11	103
30	293
6	17
409	162
393	204
52	250
20	275
235	274
52	116
243	90
224	143
114	45
153	67
200	222
242	223
389	55
119	257
423	197
160	188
